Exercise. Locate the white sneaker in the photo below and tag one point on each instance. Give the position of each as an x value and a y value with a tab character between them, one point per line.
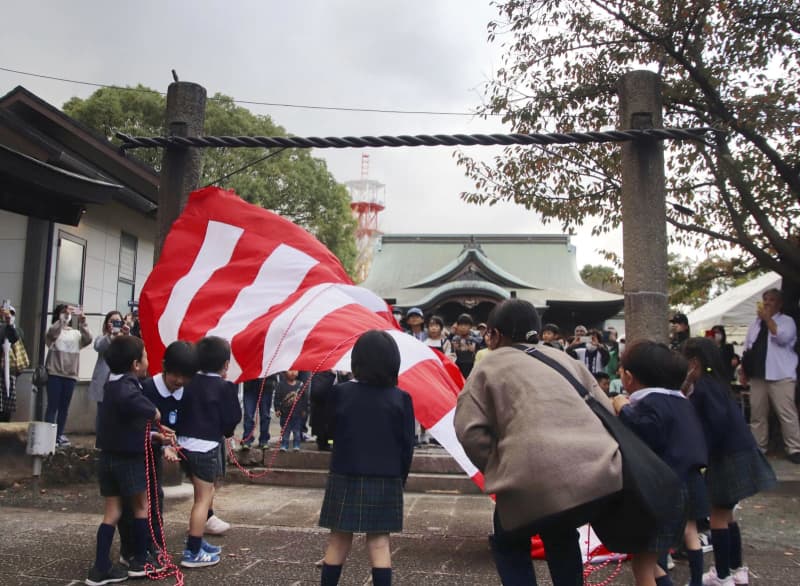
216	526
705	543
741	575
710	578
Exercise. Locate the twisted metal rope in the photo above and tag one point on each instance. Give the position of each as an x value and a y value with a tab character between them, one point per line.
132	142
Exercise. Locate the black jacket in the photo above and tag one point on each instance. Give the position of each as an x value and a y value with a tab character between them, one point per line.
725	428
210	408
669	425
123	417
285	395
169	407
321	386
373	430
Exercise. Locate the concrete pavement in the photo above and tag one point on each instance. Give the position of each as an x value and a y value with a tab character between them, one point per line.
48	538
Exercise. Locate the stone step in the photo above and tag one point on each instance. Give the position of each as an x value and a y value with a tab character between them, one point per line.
426	460
315	478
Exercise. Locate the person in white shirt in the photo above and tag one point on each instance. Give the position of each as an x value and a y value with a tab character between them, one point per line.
770	366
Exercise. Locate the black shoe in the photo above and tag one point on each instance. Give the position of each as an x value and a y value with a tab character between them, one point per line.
115	574
794	458
138	569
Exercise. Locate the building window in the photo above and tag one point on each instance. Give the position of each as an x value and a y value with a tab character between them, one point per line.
70	268
126	281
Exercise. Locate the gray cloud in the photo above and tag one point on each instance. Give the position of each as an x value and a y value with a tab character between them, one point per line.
412	55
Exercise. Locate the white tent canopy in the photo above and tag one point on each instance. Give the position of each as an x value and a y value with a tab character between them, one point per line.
735	309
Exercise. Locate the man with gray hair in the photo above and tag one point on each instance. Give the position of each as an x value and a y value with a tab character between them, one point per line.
770	364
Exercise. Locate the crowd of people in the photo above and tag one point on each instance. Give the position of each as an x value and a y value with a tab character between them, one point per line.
676	397
189	409
677	401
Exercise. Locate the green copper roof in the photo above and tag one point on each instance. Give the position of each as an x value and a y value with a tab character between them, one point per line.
418	269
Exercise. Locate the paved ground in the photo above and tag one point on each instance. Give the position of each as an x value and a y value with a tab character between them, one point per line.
48	538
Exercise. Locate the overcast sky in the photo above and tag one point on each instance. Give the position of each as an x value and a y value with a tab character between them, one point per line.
427	55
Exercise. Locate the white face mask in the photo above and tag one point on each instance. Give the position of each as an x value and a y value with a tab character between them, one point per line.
718	337
591	347
11	319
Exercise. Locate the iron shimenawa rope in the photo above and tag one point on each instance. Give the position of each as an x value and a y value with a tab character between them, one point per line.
132	142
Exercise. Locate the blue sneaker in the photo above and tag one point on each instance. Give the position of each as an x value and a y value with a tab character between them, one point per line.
207	547
199	560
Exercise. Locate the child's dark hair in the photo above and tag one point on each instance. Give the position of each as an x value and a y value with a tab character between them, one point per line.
515	319
552	328
375	359
435	319
212	353
122	352
180	358
654	364
59	309
709	356
464	318
598	376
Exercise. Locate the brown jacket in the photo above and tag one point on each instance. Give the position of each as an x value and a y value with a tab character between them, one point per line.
539	446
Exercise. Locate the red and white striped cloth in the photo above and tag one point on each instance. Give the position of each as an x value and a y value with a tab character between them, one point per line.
283	300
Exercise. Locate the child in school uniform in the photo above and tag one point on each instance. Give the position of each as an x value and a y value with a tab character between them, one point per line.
736	467
664	419
373	430
165	391
210	410
286	395
122	421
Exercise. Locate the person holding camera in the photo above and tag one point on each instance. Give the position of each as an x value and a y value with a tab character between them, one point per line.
13	360
63	361
590	351
113	326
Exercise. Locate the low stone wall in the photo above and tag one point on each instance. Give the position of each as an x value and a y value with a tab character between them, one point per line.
70	465
17	464
66	466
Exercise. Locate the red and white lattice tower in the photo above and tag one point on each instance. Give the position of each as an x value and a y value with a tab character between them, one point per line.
368	199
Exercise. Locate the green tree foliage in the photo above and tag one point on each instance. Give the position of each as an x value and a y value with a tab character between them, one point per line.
730	64
602	277
291	183
689	283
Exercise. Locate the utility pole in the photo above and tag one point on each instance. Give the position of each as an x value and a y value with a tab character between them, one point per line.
180	166
644	214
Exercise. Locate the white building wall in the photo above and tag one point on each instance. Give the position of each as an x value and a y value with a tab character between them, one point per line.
13	229
101	227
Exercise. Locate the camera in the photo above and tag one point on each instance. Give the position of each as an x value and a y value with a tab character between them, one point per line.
116	326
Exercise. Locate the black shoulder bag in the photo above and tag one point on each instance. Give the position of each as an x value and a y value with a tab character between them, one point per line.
650	488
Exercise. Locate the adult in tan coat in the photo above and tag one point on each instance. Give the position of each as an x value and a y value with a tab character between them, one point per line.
543	453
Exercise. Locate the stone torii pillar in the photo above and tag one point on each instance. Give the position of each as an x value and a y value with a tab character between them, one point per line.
180	174
181	166
644	215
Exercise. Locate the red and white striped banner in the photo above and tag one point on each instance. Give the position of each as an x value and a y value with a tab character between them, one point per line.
283	300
